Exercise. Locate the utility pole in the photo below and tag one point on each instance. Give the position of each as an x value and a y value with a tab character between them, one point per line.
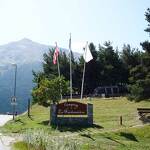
14	96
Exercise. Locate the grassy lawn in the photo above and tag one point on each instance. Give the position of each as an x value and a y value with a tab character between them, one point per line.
107	112
39	115
125	139
106	116
105	134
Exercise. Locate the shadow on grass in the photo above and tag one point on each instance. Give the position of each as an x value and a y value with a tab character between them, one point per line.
115	140
87	136
129	136
71	128
20	121
45	104
31	117
46	122
75	128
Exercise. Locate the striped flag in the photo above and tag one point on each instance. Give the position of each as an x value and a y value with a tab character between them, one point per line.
55	56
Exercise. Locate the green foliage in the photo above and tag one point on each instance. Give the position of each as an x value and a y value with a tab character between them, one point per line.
108	67
20	145
146	46
112	69
136	92
38	76
147	15
50	70
41	140
140	72
50	90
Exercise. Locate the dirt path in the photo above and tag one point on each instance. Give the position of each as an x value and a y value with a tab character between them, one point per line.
5	141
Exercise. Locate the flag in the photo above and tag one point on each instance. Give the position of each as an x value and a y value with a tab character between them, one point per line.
56	53
87	54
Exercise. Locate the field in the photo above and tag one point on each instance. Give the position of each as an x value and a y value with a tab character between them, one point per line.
106	133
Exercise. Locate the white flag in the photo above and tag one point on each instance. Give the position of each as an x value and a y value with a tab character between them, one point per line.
87	54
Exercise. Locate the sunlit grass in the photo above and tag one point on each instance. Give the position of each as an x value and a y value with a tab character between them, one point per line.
21	146
106	115
39	115
125	139
105	134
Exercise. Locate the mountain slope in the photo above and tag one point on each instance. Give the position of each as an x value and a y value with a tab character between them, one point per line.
28	56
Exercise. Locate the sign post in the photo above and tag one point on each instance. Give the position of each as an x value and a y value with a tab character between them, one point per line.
13	100
29	103
13	103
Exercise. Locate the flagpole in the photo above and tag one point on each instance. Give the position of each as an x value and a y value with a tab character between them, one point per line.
59	75
70	68
83	73
58	67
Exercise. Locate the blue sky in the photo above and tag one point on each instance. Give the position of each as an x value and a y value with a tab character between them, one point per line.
47	21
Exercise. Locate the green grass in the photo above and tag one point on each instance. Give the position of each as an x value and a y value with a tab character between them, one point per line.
39	115
106	116
106	134
126	139
21	146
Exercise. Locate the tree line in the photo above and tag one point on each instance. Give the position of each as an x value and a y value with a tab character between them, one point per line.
126	67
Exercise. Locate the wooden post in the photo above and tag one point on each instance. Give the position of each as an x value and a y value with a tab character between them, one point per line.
121	120
29	107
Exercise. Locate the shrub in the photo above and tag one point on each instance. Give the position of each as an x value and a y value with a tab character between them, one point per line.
41	140
136	92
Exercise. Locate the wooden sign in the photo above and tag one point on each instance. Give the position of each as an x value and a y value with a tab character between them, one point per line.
71	108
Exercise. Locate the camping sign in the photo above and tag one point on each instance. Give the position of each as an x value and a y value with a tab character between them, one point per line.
72	108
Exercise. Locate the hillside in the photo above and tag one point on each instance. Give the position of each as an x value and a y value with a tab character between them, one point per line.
28	56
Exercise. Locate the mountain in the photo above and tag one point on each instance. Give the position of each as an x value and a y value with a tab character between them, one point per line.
21	53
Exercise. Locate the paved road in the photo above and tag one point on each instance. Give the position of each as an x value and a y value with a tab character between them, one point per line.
4	119
5	141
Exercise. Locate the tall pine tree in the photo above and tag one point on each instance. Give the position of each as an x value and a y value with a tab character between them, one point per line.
140	74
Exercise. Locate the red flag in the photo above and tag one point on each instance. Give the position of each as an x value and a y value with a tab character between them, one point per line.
56	53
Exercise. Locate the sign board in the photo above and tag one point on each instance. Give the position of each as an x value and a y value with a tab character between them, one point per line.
13	103
13	99
71	108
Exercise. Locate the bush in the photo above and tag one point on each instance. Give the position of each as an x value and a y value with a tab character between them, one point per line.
41	140
50	90
136	92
